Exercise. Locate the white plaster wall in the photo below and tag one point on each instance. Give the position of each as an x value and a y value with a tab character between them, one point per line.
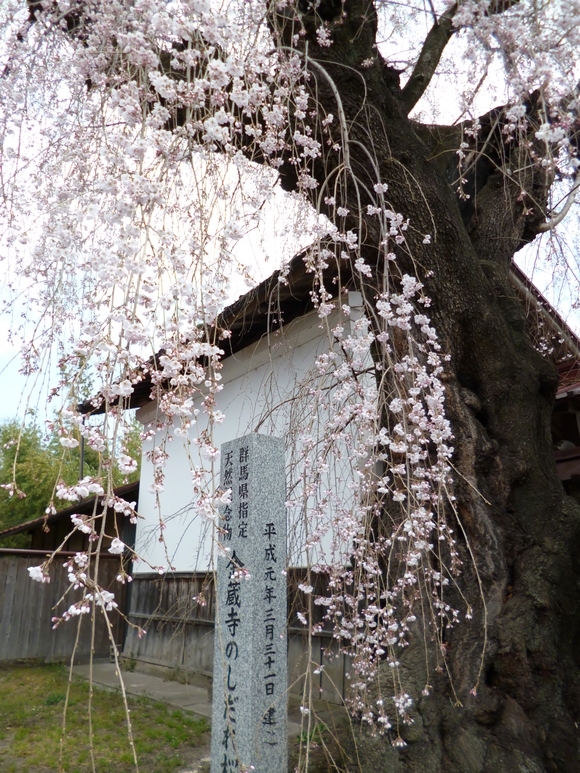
261	385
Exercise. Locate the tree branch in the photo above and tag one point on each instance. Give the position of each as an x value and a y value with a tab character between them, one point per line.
439	35
557	217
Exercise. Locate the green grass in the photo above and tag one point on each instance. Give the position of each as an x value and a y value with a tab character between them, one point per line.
32	700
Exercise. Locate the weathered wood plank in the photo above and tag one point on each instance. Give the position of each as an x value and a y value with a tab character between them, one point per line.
6	618
26	609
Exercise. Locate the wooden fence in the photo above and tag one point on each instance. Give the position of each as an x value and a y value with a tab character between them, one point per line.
180	632
26	609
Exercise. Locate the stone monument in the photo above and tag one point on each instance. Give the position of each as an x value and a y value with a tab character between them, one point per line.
249	712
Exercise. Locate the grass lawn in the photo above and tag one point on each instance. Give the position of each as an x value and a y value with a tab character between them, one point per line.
32	699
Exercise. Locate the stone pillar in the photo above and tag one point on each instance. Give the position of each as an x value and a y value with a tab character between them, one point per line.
250	676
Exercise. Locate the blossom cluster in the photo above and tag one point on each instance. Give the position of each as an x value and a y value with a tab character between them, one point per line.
378	404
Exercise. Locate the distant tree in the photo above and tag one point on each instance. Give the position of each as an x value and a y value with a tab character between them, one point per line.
31	464
34	467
